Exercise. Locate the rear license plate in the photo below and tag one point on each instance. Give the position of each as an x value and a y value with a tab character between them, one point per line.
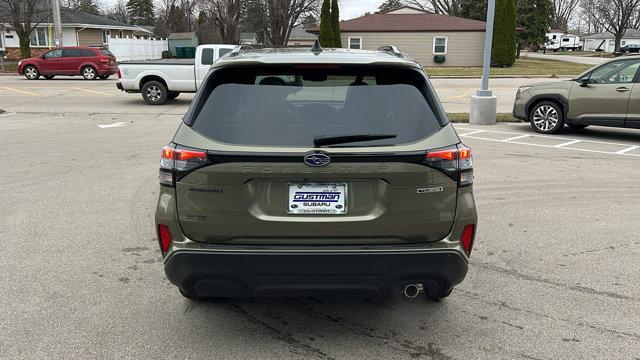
317	198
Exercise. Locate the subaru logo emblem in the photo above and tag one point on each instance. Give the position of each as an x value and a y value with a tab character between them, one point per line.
317	159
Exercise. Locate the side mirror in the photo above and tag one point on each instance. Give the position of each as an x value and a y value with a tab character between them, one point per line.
584	82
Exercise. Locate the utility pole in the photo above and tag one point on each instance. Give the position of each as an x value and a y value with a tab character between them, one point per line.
483	103
57	22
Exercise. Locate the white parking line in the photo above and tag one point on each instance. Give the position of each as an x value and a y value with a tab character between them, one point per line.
517	137
472	132
567	143
630	148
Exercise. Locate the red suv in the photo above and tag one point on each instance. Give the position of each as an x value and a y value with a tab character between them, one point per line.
90	62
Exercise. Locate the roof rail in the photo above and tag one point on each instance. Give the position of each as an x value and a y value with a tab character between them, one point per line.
238	49
392	50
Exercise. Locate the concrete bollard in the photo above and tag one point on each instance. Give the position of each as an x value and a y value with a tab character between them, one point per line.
483	110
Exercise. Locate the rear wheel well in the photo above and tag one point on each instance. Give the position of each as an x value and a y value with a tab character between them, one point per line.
541	100
148	78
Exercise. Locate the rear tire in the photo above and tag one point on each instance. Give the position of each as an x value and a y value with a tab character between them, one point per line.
49	77
104	77
546	117
31	72
154	93
173	94
89	73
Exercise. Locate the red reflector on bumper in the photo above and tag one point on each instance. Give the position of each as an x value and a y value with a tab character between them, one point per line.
165	237
466	238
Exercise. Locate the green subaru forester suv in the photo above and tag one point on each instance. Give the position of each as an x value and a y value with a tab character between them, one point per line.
310	173
606	95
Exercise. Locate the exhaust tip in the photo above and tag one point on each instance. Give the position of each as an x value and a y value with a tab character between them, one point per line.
411	291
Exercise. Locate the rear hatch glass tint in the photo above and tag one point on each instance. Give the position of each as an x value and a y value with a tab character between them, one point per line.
292	106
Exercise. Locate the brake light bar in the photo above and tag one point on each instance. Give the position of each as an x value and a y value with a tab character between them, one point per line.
177	161
455	161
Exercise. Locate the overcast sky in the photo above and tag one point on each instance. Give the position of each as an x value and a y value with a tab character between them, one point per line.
350	9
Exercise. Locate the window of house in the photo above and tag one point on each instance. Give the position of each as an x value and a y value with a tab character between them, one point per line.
38	37
440	45
355	43
105	36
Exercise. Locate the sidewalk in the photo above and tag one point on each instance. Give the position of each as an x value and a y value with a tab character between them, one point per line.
568	58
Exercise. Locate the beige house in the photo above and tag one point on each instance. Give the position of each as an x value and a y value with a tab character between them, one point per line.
423	35
78	29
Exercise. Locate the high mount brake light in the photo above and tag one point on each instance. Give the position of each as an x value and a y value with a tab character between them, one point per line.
455	161
178	161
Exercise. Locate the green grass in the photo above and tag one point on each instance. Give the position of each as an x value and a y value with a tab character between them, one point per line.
10	67
522	67
464	117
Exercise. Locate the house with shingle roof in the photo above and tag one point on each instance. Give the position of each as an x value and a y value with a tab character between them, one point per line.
606	42
78	29
423	35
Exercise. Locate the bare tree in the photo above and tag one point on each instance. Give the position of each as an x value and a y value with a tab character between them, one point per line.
588	14
616	16
225	15
563	12
23	16
284	15
117	11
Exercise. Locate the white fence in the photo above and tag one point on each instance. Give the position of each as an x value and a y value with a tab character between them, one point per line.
126	49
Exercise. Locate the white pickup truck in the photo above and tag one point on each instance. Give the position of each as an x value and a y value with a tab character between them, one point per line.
162	80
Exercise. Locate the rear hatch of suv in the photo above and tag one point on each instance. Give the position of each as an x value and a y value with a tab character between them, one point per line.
315	155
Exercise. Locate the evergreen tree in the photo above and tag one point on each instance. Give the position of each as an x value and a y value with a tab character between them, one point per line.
389	5
335	24
503	49
141	12
326	29
535	18
473	9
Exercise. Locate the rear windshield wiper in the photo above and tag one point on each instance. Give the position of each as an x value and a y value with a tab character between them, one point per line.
334	140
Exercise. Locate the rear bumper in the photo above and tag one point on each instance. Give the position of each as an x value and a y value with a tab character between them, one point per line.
107	70
369	272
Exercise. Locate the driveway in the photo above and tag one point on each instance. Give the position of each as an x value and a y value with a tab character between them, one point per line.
568	58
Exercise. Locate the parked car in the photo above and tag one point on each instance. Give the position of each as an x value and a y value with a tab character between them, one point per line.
162	80
630	49
90	62
306	173
606	95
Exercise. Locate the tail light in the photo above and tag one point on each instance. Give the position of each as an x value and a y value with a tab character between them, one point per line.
119	75
164	237
104	60
455	161
177	161
466	238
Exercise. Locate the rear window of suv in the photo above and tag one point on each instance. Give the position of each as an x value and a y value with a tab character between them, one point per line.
290	106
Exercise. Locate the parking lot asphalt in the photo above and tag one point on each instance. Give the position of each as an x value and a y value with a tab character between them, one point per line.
75	95
554	273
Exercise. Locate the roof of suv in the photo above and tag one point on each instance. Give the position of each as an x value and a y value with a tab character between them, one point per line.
306	56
